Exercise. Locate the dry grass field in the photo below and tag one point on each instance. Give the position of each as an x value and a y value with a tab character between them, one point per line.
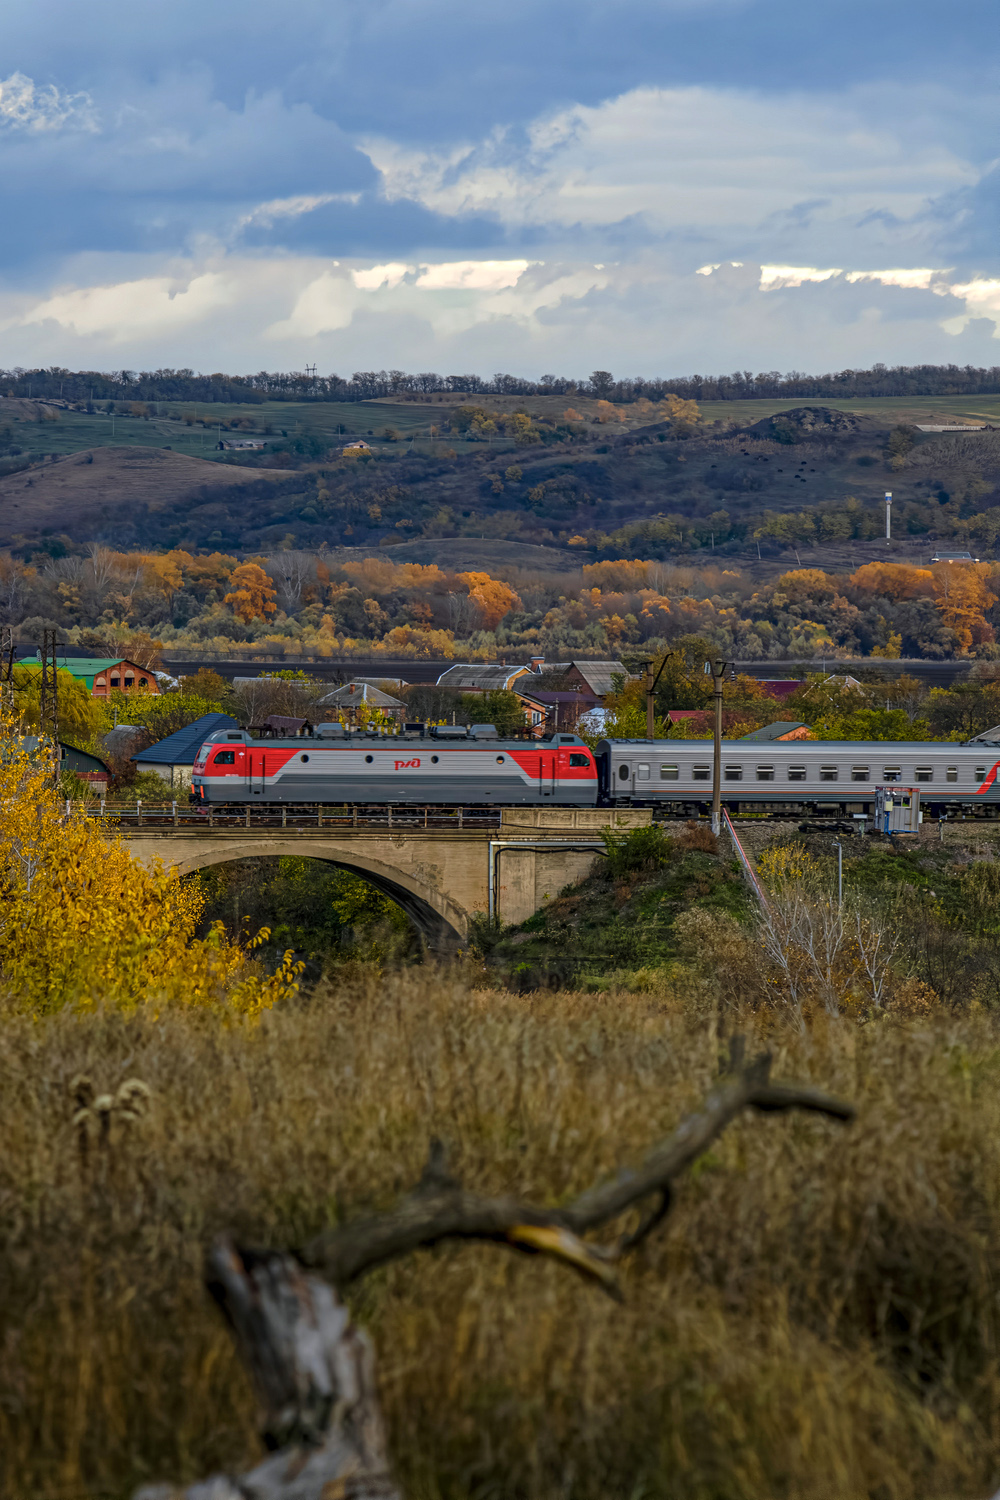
102	483
817	1320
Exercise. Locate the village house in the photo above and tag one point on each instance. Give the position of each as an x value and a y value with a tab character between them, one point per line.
173	758
352	696
104	675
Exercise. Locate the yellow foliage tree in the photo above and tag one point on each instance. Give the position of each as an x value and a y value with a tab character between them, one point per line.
680	412
84	925
251	596
80	715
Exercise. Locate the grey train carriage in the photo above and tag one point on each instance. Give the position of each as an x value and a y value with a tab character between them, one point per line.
797	777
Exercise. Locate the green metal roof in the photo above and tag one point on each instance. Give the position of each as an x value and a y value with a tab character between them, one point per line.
87	667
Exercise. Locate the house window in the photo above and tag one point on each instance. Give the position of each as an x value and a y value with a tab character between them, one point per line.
892	773
702	773
765	773
115	681
668	773
924	773
623	773
796	773
732	773
143	682
951	773
642	771
859	773
828	773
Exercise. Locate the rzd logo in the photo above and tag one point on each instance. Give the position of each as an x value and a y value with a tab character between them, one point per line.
405	765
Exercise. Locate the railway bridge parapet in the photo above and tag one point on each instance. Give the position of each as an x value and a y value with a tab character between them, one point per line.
508	866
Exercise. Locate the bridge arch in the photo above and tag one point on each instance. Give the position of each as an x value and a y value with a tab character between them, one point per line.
441	922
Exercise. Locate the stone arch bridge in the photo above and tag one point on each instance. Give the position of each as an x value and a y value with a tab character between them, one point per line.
440	877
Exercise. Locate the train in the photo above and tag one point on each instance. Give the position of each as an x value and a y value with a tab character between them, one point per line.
474	767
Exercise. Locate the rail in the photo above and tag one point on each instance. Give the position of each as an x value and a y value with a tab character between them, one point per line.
164	817
748	870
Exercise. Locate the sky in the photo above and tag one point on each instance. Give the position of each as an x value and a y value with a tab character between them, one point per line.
659	188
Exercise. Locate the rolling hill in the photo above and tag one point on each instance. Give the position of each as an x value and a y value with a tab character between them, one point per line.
110	489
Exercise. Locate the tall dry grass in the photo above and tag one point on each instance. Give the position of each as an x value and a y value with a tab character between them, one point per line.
818	1318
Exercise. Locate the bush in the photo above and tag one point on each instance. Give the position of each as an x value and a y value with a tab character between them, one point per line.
639	850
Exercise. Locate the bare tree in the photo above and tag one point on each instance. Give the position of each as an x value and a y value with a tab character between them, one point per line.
290	572
314	1373
825	949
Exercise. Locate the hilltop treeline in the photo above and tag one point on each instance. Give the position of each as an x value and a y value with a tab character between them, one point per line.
85	386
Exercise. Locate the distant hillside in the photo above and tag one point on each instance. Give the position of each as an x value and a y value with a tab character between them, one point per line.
109	488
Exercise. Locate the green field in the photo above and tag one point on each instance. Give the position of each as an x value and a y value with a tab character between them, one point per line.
332	422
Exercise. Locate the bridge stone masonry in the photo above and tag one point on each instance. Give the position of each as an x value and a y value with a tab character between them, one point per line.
440	876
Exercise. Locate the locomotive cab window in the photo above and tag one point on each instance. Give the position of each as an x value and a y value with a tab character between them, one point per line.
701	773
765	773
668	773
924	773
796	773
951	773
892	773
859	773
732	773
623	773
225	758
579	760
828	773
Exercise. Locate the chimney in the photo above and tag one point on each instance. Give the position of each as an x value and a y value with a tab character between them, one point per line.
537	663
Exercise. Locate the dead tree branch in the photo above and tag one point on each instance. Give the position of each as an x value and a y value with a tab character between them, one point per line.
439	1208
313	1372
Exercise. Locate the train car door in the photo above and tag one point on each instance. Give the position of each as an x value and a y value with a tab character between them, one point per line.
547	773
256	772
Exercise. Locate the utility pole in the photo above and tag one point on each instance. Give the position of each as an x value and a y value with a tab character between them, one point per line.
718	671
840	873
48	697
7	668
888	517
651	682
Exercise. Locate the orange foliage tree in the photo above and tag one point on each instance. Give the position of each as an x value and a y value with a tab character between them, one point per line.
964	596
251	596
493	598
894	581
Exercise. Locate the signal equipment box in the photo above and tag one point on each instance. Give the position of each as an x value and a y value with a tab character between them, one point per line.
897	809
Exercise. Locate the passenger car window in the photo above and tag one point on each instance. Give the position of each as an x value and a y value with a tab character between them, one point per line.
225	758
732	773
828	773
980	773
765	773
893	773
579	760
951	773
796	773
859	773
623	773
924	773
702	773
642	771
668	773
